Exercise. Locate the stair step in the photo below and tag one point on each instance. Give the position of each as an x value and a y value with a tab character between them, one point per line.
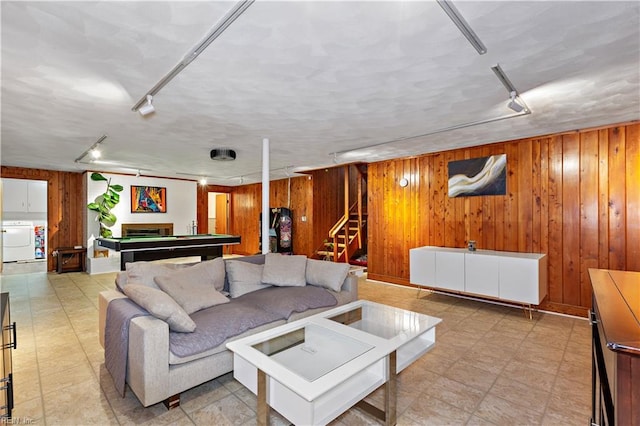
324	253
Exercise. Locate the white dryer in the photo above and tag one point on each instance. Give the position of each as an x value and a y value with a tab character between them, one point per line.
18	241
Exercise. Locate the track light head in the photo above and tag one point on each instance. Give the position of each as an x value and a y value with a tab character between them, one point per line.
513	103
147	108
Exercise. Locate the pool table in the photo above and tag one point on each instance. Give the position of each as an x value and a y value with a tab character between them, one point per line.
132	249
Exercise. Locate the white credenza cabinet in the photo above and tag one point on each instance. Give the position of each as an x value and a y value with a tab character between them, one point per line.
510	276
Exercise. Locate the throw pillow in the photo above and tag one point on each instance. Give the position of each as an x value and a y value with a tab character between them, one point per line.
144	272
193	287
284	271
162	306
326	274
244	277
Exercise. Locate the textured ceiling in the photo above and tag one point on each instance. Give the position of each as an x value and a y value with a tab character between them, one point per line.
366	80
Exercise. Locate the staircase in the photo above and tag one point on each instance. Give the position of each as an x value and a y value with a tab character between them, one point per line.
347	235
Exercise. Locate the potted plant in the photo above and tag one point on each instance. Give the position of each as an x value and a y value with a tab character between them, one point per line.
104	203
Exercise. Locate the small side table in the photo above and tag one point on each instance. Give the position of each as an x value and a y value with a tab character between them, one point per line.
70	259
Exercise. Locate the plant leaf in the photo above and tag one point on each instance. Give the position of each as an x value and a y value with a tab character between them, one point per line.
117	188
97	176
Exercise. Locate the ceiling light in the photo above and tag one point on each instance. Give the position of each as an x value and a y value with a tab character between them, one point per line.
203	181
95	153
147	108
462	25
223	154
214	33
513	104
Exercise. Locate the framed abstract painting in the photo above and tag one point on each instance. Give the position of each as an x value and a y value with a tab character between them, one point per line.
478	176
148	199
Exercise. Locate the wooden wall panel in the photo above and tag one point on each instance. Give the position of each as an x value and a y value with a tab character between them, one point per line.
632	168
573	196
327	201
246	206
555	263
571	219
603	199
617	198
588	212
65	206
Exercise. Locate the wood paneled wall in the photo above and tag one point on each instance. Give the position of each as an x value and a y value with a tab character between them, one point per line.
573	196
328	202
246	206
65	206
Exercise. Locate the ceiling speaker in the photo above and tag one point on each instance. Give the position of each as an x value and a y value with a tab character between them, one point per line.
223	154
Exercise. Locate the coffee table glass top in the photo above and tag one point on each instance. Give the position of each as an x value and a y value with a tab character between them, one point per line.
383	321
312	351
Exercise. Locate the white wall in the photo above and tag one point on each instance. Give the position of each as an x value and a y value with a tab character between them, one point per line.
181	204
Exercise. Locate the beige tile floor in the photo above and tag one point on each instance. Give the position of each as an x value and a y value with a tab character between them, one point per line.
491	365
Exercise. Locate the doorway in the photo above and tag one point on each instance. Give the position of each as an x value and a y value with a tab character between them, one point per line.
218	220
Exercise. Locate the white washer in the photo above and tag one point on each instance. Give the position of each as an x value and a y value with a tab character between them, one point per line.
18	241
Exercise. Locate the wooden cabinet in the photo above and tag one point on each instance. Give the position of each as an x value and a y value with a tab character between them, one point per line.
509	276
21	195
615	347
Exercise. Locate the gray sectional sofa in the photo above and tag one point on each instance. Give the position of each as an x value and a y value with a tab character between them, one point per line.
186	314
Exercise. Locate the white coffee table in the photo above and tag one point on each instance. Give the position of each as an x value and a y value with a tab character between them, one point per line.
314	369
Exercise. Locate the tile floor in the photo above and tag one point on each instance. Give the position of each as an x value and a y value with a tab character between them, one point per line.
491	365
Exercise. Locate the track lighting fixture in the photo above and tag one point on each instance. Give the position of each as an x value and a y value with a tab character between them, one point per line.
462	25
147	108
233	14
513	103
93	150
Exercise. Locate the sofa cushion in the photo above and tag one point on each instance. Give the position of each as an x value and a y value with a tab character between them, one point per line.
326	274
144	272
284	271
218	323
284	301
244	277
160	305
191	288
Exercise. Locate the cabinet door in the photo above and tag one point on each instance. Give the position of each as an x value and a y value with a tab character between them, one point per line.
481	274
37	200
422	266
519	280
14	195
450	270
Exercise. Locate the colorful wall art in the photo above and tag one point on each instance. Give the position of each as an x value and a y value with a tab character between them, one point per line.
148	199
478	176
